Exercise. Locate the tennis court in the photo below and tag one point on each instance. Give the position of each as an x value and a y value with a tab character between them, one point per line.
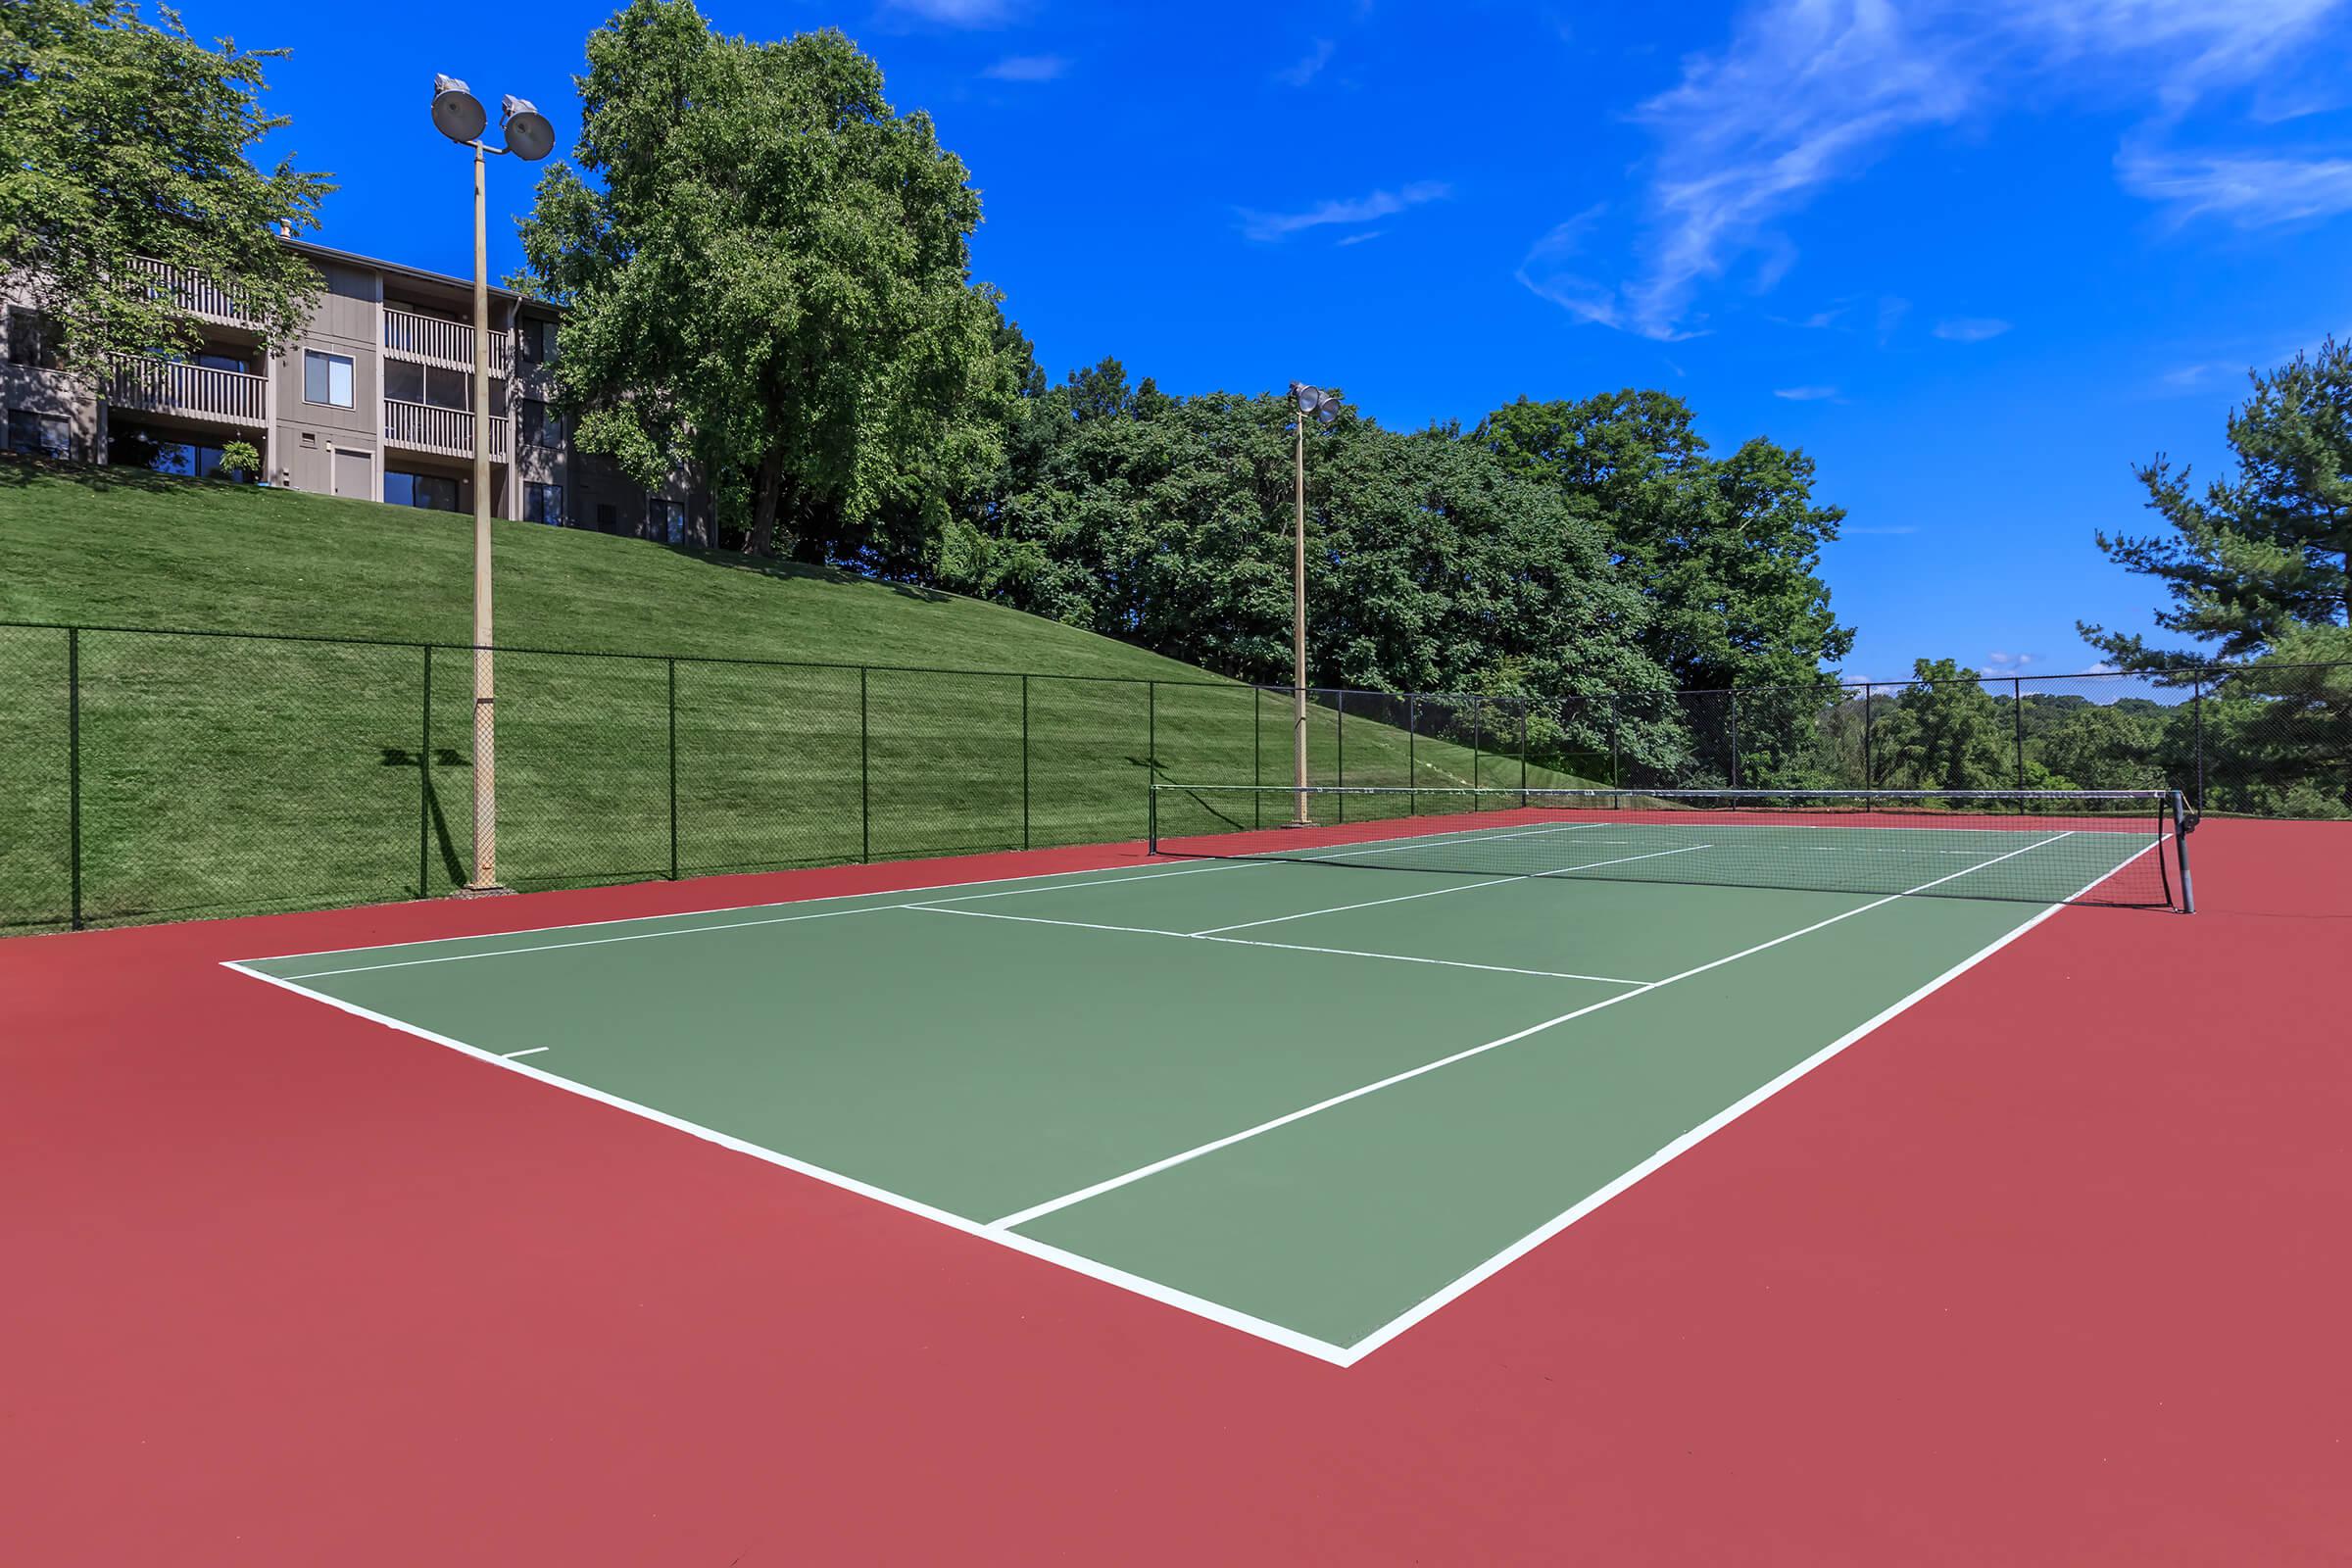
1313	1083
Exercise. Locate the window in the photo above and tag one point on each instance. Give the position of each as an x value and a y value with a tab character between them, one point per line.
543	503
430	491
404	382
665	520
31	340
326	378
33	434
445	388
541	425
535	339
216	360
608	516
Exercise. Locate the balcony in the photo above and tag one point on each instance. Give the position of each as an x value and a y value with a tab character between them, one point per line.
193	391
446	432
194	293
429	340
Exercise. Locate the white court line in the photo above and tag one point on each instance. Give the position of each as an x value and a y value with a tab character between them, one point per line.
1112	1184
1287	947
1439	893
729	925
528	1051
1167	1295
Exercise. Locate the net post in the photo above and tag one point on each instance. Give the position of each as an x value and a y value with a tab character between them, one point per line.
2189	899
1024	762
2016	725
673	770
73	765
1150	817
424	784
866	806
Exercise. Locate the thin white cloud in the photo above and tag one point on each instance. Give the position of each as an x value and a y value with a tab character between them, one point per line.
1027	67
1891	312
1358	239
956	13
1806	394
1809	93
1269	226
1309	67
1819	321
2249	190
2007	664
1971	329
1555	269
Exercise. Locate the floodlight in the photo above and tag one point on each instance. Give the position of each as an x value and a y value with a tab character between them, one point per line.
528	135
456	112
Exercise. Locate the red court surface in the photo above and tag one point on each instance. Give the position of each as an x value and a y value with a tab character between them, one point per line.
2049	1269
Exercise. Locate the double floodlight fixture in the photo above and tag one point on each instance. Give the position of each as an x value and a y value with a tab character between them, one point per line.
1324	406
460	116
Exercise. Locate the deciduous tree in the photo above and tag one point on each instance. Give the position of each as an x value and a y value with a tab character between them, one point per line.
123	140
767	273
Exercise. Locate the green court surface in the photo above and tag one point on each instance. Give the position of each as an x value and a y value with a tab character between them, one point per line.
1313	1101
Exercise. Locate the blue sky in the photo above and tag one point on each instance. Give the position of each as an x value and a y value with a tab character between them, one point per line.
1977	259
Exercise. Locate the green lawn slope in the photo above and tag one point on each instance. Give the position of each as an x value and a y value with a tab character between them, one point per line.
220	774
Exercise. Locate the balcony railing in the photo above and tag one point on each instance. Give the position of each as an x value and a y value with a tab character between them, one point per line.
450	344
196	391
446	431
194	293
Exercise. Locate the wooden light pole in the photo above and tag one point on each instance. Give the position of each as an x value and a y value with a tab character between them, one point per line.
459	116
1323	406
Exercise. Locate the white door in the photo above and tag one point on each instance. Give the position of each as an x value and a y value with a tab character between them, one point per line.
353	470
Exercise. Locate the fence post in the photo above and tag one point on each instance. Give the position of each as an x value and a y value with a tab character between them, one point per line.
425	785
1258	747
1338	706
673	770
866	806
1616	765
1473	740
73	763
1523	754
2017	725
1868	776
2197	699
1413	758
1732	699
1024	762
1151	758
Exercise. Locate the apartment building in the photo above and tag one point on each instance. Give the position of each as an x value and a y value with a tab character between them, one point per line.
375	401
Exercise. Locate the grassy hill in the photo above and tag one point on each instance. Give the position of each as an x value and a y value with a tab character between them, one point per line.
222	775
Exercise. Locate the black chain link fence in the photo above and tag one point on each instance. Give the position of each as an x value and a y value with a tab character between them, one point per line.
152	775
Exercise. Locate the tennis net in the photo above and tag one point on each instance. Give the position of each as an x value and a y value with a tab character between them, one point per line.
2111	847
